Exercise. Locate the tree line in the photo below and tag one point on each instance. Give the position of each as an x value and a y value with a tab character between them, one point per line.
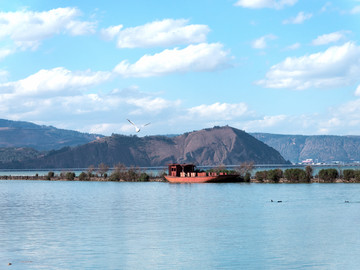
119	173
306	176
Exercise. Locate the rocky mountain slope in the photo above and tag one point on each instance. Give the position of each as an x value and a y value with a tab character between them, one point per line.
219	145
319	148
24	134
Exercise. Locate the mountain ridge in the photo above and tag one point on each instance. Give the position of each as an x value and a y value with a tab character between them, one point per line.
320	148
39	137
21	141
215	146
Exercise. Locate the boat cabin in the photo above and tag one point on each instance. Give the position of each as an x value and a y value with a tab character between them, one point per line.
180	169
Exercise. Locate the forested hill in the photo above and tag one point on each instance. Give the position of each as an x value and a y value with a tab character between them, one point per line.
324	148
16	134
215	146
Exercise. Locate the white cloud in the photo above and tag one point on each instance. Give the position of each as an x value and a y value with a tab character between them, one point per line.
111	32
299	19
313	124
54	80
78	28
275	4
28	28
355	10
150	104
337	66
163	33
103	128
349	111
261	43
106	113
200	57
342	119
3	75
219	111
112	128
5	52
88	110
357	91
265	122
326	7
294	46
329	38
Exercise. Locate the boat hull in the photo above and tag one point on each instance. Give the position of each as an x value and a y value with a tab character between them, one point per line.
203	179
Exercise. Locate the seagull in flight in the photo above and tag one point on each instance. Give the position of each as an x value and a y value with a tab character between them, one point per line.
137	129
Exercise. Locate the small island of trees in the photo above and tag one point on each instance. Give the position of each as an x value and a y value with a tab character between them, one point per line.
297	175
121	173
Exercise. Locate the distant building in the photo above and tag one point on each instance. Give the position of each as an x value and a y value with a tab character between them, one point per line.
308	161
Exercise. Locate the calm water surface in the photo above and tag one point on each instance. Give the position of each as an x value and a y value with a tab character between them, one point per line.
94	225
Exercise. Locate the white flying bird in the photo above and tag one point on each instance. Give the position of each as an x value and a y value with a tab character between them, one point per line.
137	129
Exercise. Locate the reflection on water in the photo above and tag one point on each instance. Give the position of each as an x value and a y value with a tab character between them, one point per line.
103	225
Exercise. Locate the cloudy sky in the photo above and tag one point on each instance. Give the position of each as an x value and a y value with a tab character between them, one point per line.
277	66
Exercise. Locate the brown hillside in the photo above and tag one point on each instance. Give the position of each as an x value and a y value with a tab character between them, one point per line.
215	146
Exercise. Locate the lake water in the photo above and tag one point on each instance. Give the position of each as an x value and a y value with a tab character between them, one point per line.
106	225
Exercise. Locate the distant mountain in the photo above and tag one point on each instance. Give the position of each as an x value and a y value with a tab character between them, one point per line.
24	134
219	145
324	148
18	154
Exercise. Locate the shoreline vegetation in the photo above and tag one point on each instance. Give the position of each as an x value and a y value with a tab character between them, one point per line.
296	175
120	173
76	178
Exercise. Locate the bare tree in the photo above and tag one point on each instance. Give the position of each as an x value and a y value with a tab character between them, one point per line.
120	168
245	170
245	167
103	168
90	170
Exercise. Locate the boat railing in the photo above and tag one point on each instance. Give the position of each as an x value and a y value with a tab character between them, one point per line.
200	174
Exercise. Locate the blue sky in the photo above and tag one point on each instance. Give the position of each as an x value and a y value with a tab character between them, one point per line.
277	66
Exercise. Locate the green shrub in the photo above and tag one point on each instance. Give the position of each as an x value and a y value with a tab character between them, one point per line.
296	175
348	174
50	175
132	175
328	175
70	176
128	174
247	177
115	176
260	176
83	176
222	170
274	175
357	175
144	177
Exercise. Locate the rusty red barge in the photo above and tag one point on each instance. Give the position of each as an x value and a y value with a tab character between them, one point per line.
186	173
